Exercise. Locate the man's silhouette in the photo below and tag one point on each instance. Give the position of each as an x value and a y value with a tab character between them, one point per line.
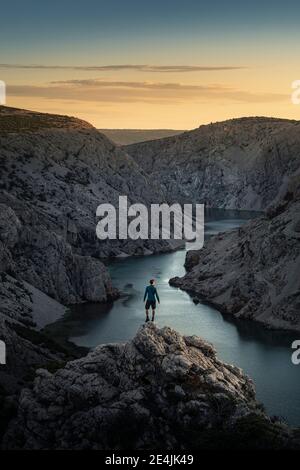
151	295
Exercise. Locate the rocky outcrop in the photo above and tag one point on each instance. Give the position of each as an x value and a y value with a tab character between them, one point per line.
32	252
236	164
253	272
160	390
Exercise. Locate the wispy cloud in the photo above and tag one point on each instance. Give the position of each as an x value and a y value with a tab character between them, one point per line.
120	67
128	84
100	91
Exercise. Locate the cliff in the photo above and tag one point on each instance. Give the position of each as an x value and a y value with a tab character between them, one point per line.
52	180
236	164
253	272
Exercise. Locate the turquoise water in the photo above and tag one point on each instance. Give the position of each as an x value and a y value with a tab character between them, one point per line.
263	354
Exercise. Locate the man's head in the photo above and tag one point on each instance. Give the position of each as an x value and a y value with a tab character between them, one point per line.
152	281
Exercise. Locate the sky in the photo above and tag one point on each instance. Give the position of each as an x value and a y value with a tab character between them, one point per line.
151	64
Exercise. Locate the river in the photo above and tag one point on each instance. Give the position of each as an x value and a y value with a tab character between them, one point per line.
263	354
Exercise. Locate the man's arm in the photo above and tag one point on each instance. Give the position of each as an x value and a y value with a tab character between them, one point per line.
146	292
157	296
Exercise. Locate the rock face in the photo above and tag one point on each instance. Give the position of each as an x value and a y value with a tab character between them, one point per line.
52	180
161	390
253	272
237	164
31	251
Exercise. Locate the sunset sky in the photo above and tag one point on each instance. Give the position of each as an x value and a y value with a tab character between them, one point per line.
159	64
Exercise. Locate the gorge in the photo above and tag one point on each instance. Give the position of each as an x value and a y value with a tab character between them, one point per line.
55	171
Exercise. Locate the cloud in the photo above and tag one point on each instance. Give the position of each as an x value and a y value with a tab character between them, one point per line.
100	91
129	84
134	67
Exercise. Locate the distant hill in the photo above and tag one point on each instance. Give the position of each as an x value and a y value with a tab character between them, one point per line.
133	136
22	120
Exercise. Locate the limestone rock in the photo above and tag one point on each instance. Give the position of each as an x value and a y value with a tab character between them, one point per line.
160	390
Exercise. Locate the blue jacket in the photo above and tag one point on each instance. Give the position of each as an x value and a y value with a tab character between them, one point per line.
151	293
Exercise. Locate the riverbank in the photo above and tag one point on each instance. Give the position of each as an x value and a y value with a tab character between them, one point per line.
253	272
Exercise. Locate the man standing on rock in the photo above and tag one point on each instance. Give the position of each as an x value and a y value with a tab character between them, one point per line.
151	295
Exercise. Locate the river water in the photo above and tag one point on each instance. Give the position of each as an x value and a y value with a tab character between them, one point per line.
263	354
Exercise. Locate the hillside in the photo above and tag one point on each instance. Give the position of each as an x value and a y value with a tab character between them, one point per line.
237	164
22	120
52	181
